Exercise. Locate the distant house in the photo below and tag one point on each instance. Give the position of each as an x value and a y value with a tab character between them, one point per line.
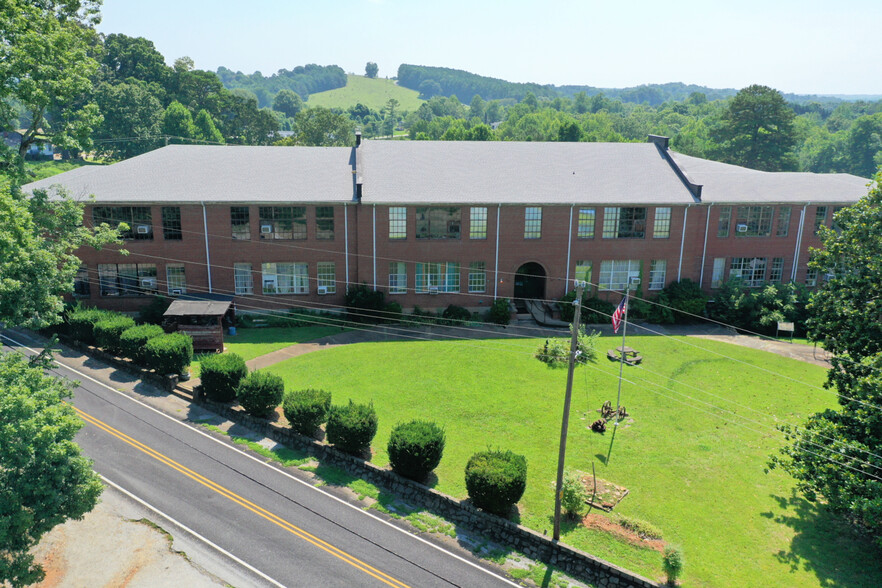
434	223
37	150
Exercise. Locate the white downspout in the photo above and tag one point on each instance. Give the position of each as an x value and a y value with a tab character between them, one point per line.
375	247
798	242
496	270
346	240
207	254
682	241
569	248
704	251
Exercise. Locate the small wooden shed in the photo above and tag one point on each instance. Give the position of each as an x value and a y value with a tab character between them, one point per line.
203	320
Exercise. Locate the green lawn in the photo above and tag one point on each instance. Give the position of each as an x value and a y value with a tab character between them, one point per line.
46	169
254	342
690	470
373	93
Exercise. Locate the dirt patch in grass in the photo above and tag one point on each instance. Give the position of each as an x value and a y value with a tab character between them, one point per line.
599	522
607	495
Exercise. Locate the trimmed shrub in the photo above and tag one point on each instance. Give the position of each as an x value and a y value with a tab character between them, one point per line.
260	393
352	427
109	330
81	323
686	300
169	354
496	480
456	314
499	312
672	562
575	496
597	311
393	311
133	340
306	410
364	305
415	449
152	313
221	374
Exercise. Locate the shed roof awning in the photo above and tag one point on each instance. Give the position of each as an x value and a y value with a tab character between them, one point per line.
198	308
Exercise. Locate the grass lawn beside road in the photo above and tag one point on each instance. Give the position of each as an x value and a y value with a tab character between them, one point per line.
692	461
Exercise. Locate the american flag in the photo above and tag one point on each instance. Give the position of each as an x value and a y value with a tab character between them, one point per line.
619	314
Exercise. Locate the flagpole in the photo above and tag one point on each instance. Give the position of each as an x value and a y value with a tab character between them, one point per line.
622	354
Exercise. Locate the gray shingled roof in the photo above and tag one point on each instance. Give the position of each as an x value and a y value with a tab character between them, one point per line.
724	183
194	173
516	173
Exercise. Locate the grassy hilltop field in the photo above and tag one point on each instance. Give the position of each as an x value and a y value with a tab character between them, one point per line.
373	93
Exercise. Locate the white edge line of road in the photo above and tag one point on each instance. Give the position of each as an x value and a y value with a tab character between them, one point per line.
278	470
220	549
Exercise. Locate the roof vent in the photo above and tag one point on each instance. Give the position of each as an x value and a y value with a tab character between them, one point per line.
659	140
357	138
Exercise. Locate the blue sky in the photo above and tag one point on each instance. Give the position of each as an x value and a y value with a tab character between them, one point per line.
802	47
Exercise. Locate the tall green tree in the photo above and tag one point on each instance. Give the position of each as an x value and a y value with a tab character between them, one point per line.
288	103
131	112
177	121
863	144
127	57
371	69
320	126
43	478
46	66
757	130
835	454
205	129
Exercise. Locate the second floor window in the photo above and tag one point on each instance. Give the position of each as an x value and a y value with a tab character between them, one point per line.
820	218
753	221
586	224
171	223
478	222
240	222
624	223
783	222
661	228
723	223
282	222
397	222
137	218
533	222
324	222
438	222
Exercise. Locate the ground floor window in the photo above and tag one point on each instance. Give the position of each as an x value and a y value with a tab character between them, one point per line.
657	272
583	271
437	277
285	278
751	270
397	277
616	275
176	279
82	285
326	277
127	279
477	277
719	272
243	279
776	272
811	277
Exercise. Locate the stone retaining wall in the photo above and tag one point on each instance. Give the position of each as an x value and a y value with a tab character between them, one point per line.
534	545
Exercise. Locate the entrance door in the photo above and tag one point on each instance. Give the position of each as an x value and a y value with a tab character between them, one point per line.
529	284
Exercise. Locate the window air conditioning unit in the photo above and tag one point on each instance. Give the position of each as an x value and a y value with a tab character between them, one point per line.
142	229
266	229
741	228
148	283
176	291
322	290
433	289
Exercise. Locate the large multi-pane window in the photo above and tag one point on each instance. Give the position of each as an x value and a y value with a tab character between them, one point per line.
783	222
282	222
725	220
617	274
397	222
751	270
397	277
753	221
285	278
657	270
438	222
137	218
477	277
82	283
583	271
240	222
624	223
175	279
478	222
171	223
243	279
585	229
776	271
324	223
533	222
661	228
326	277
811	277
719	272
437	277
820	218
127	279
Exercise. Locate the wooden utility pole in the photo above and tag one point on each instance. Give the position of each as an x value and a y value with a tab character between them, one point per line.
574	345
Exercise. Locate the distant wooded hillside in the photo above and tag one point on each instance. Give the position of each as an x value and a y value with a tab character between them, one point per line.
303	79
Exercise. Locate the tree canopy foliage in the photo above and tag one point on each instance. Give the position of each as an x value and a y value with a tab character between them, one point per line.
371	69
43	478
835	454
303	79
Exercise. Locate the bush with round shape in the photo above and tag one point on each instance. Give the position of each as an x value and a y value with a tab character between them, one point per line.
169	354
575	496
415	449
499	312
496	480
456	314
81	323
221	374
260	392
306	410
672	562
351	427
109	330
133	340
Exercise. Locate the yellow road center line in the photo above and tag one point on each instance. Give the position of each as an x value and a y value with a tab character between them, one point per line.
293	529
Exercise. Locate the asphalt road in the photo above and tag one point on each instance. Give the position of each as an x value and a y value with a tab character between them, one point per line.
280	530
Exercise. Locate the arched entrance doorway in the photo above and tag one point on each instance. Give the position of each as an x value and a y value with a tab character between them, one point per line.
529	284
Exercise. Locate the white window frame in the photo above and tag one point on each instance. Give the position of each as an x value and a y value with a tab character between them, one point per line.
397	277
751	270
587	219
286	277
719	272
657	274
583	271
617	274
661	224
440	276
477	277
175	280
397	223
326	276
243	281
478	222
533	222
